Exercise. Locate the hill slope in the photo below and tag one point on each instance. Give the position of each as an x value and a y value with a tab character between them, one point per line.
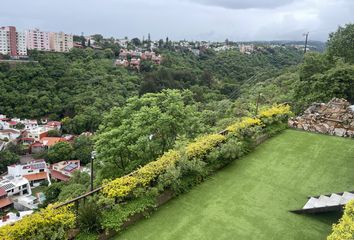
250	199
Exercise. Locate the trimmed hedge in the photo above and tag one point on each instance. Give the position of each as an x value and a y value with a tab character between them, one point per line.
185	167
48	223
344	230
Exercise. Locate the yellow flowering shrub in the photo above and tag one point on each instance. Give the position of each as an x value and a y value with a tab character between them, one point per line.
48	223
203	144
276	110
153	169
344	230
244	123
121	187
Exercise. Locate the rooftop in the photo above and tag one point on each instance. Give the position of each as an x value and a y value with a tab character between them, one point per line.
36	176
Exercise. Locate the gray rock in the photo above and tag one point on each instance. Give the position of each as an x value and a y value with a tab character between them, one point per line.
340	132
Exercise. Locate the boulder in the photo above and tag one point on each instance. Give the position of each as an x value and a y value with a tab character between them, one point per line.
341	132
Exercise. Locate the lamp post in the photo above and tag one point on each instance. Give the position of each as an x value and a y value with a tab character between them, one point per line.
93	155
257	103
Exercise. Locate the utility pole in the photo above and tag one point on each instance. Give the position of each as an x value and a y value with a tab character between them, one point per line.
307	35
93	155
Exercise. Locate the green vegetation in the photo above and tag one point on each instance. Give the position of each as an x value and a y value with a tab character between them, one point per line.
78	87
344	229
176	170
7	158
180	103
79	149
250	199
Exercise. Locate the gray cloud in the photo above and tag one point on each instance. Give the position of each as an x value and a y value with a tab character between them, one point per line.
245	4
183	19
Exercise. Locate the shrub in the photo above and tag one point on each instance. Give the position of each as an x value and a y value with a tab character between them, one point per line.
120	187
123	186
344	230
113	219
203	144
153	169
192	173
276	110
228	152
172	170
244	123
48	223
86	236
89	217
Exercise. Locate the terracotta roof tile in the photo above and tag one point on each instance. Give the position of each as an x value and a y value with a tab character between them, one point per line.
5	202
36	176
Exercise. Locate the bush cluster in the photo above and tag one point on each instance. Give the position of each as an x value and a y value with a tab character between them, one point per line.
344	230
48	223
176	170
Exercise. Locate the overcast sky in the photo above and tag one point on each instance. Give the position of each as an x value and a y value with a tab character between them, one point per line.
238	20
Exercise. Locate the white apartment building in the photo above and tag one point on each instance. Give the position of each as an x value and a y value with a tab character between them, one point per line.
4	42
21	44
12	42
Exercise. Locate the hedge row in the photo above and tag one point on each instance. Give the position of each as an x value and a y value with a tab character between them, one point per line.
48	223
344	230
176	169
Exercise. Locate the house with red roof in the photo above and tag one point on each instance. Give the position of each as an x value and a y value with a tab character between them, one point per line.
36	147
54	124
49	142
62	171
35	172
5	201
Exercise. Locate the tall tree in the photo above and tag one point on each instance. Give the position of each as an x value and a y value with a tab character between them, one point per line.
340	43
145	128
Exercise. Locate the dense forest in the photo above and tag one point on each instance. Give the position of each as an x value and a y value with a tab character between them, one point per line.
78	87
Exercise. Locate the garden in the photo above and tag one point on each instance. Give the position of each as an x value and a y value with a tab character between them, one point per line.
214	195
251	198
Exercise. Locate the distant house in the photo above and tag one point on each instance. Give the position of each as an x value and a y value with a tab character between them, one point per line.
62	171
121	62
30	124
13	217
36	133
49	142
35	172
54	124
36	147
69	137
9	134
5	201
135	63
4	124
26	141
15	186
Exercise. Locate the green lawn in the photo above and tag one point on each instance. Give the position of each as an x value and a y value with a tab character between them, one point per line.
250	198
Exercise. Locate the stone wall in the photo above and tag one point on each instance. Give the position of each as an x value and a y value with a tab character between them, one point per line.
334	118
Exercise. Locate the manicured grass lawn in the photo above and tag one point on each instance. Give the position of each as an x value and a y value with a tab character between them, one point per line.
250	198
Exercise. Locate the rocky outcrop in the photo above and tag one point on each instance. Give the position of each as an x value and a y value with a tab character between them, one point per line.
334	118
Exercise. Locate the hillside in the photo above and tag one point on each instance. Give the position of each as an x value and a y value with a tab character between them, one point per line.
170	127
252	197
